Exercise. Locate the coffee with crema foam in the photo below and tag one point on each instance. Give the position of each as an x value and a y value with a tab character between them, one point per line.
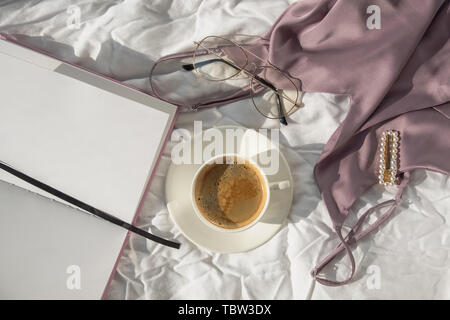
230	195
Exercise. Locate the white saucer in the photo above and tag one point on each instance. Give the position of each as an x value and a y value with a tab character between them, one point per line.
178	191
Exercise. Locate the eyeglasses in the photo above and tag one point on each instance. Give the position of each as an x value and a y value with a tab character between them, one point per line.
239	71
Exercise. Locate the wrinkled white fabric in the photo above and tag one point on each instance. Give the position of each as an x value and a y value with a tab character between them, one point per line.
409	257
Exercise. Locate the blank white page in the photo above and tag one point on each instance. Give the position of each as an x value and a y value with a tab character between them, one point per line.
90	143
40	239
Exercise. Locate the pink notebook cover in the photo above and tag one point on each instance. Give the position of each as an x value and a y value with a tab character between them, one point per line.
15	41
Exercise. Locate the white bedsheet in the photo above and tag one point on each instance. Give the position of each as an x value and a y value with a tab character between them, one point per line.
409	257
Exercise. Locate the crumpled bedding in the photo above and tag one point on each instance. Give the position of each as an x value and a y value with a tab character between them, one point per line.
408	258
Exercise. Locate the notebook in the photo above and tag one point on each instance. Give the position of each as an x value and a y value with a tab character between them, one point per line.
87	136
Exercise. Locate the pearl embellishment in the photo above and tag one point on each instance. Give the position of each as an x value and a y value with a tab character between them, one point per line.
388	150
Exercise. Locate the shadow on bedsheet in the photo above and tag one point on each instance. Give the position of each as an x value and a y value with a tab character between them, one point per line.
301	161
111	58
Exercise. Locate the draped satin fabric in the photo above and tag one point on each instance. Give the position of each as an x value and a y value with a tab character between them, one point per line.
397	77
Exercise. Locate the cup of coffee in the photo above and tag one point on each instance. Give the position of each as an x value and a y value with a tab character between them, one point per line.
230	193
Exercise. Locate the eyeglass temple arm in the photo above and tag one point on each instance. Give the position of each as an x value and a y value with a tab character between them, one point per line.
191	66
280	111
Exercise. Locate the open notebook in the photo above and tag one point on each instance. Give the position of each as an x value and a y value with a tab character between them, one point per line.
87	136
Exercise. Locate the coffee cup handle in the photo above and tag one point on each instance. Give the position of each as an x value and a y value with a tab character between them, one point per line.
279	185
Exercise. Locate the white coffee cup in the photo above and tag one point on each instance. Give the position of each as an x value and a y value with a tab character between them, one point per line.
268	187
